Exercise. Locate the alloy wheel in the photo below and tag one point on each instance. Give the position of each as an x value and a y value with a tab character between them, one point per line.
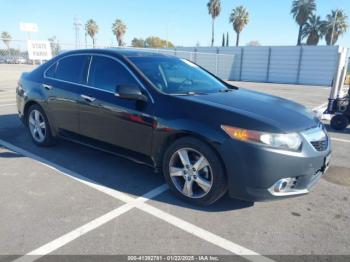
191	173
37	126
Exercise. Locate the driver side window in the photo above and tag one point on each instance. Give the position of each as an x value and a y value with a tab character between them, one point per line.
107	74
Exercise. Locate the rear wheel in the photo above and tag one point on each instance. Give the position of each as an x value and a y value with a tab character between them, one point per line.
194	172
39	127
339	122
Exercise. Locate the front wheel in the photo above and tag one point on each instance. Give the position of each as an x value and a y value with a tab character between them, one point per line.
194	171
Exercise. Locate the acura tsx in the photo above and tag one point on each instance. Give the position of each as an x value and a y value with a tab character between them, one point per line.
205	135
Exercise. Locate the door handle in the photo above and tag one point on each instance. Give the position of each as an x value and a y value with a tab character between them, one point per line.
47	87
88	98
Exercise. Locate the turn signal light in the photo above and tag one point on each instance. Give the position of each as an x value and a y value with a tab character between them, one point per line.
291	141
241	134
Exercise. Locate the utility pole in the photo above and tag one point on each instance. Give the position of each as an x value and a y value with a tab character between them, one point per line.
85	37
77	26
167	35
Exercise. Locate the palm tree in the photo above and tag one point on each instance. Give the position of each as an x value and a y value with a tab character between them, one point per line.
336	25
313	30
91	29
239	18
119	29
6	38
214	9
301	11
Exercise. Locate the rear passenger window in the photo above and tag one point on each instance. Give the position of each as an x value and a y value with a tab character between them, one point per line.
71	68
51	72
106	74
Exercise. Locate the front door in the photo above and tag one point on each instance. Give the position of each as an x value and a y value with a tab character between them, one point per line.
108	118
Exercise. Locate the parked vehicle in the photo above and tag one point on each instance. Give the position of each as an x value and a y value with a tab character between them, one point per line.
206	136
20	60
9	60
13	60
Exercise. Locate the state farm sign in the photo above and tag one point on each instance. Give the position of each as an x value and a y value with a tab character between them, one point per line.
39	50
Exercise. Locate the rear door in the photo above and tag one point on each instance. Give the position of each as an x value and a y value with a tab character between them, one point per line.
111	119
63	83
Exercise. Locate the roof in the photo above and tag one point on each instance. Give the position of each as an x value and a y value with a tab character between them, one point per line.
120	52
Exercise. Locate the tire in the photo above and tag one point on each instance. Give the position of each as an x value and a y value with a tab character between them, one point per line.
39	127
200	182
339	122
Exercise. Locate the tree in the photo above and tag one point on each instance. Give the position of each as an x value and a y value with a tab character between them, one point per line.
336	25
301	11
313	30
55	46
239	18
92	29
254	43
223	40
156	42
6	38
227	39
119	29
138	42
214	9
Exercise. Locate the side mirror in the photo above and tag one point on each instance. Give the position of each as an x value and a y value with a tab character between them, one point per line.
131	92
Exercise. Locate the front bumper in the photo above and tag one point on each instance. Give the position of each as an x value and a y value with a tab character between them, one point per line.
253	170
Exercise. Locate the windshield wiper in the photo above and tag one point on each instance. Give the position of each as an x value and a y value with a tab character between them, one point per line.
191	93
225	90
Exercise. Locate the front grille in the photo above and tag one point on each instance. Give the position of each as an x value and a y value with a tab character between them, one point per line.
320	145
317	137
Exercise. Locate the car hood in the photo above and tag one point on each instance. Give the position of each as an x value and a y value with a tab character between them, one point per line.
283	114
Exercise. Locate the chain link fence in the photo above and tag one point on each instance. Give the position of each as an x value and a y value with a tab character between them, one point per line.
12	52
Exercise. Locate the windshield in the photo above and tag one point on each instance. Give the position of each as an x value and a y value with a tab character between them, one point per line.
177	76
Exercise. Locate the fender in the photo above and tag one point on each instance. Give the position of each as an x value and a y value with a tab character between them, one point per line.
168	131
34	95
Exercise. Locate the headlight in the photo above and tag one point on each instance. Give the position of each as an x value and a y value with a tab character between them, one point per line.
290	141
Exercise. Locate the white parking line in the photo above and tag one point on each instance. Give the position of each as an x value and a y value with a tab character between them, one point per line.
203	234
130	203
340	140
76	233
7	105
66	172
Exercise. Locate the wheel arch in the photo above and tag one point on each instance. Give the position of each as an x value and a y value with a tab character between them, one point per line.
170	139
30	103
26	108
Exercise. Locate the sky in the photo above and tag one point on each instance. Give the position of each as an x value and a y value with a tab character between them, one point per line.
185	22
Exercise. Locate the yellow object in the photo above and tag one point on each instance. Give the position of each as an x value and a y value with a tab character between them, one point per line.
241	134
347	80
